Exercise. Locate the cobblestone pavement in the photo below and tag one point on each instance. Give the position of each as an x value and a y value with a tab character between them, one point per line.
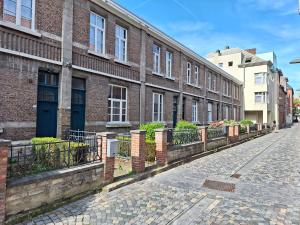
267	192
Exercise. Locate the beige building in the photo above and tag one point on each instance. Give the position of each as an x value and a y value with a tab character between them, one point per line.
259	76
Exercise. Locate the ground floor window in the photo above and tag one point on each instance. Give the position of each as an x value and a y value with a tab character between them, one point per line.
195	111
209	112
157	107
226	116
235	113
117	104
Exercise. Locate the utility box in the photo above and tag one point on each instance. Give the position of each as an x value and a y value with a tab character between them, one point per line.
112	147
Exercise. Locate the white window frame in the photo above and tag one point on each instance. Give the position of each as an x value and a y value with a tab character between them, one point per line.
111	99
226	117
209	112
234	113
119	40
261	76
169	64
160	107
197	75
195	111
156	58
214	82
188	72
19	12
97	48
209	80
226	87
261	95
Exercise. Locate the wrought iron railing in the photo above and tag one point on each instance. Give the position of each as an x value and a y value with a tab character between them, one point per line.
253	128
216	132
124	145
35	158
183	136
243	130
78	135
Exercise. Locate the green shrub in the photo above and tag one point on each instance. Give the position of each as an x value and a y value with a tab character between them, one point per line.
185	125
244	123
230	122
150	129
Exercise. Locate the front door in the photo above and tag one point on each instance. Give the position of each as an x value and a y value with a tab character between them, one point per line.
175	108
78	104
47	103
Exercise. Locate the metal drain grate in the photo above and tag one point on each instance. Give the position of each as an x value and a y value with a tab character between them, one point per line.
218	185
236	175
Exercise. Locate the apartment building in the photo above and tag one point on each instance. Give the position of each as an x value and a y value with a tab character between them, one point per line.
93	65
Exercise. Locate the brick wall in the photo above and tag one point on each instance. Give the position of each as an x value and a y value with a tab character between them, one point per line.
185	151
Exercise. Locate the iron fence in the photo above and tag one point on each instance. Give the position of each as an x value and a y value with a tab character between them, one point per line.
253	128
124	145
35	158
183	136
243	130
216	132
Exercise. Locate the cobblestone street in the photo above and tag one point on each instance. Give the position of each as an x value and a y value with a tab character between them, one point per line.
266	190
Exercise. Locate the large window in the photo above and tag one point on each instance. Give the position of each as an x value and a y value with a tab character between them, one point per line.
157	107
97	33
211	81
188	73
169	63
209	112
260	78
117	104
235	113
197	75
121	44
156	59
195	111
19	12
260	97
226	87
226	116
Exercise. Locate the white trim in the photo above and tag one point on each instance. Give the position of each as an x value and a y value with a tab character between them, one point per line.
157	74
197	75
33	15
163	88
195	114
96	33
104	74
193	85
20	28
30	56
156	61
188	73
120	39
169	62
160	107
125	63
99	54
121	101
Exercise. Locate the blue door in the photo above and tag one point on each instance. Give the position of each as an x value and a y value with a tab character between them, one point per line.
78	104
47	103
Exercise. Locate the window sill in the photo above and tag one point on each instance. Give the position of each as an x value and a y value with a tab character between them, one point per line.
194	85
118	125
215	92
125	63
157	74
20	28
170	78
99	54
227	96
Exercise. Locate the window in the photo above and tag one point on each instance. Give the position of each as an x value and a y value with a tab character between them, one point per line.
169	63
214	83
195	111
220	65
226	116
97	33
156	58
260	78
121	44
260	97
230	63
197	75
226	87
19	12
233	91
157	107
209	112
117	104
235	113
211	81
188	73
248	60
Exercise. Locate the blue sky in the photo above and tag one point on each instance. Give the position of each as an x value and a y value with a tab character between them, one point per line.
207	25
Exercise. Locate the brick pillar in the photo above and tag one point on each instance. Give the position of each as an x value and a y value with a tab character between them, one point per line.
138	146
237	131
161	146
109	161
4	145
204	136
230	134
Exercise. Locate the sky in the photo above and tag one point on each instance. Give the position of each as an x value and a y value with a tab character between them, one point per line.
208	25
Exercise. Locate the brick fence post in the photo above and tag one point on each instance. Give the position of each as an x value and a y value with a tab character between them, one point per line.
204	136
138	146
4	145
230	134
109	161
237	131
161	146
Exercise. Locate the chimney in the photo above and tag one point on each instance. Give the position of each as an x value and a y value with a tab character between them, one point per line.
251	50
218	52
227	47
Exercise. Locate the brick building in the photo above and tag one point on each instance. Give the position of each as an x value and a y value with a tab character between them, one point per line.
92	65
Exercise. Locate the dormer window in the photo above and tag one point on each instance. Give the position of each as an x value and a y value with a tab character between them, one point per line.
248	60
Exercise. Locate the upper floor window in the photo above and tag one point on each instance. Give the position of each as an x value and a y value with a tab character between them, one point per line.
260	97
121	43
97	33
156	58
226	116
19	12
169	63
212	81
230	63
260	78
188	73
157	107
117	104
195	111
226	87
196	75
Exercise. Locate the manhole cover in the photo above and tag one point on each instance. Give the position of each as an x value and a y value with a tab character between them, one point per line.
236	175
218	185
